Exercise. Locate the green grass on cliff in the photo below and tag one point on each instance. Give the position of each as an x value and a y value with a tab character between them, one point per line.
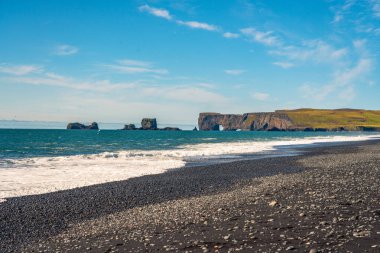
330	119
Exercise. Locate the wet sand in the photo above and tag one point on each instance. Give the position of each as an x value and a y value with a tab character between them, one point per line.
326	200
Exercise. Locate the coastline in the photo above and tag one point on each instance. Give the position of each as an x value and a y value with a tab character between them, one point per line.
323	201
59	169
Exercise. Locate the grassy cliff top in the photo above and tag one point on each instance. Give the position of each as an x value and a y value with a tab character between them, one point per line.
329	119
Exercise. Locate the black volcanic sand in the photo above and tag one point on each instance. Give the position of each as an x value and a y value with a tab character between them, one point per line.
327	200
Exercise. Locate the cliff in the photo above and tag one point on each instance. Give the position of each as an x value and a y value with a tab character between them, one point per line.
293	120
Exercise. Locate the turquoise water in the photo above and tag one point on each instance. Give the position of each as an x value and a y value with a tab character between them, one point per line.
23	143
36	161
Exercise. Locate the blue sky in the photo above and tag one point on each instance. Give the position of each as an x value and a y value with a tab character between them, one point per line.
120	61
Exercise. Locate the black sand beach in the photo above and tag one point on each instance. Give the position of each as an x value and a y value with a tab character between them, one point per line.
326	200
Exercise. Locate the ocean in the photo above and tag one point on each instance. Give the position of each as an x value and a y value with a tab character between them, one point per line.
36	161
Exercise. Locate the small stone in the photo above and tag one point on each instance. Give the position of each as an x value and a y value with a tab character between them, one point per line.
226	237
313	251
290	248
273	203
362	234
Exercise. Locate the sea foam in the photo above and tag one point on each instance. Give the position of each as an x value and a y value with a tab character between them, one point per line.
38	175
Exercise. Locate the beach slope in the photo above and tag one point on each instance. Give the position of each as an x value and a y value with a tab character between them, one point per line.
326	200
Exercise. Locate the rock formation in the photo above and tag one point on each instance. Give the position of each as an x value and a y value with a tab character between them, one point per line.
148	124
270	121
293	120
129	127
79	126
170	129
212	121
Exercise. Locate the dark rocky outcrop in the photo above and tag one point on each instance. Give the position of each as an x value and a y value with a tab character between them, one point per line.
170	129
293	120
213	121
271	121
148	124
79	126
195	129
129	127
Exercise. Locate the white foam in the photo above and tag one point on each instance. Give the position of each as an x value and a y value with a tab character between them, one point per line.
47	174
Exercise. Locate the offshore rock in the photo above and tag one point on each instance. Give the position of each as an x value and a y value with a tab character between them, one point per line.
149	124
170	129
129	127
79	126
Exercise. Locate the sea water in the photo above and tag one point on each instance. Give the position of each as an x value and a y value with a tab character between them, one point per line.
36	161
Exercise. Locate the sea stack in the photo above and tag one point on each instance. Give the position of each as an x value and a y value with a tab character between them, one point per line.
79	126
129	127
149	124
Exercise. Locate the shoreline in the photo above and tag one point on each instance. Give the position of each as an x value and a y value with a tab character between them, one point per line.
43	174
211	208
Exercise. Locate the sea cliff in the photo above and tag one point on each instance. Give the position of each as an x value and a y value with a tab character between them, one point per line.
293	120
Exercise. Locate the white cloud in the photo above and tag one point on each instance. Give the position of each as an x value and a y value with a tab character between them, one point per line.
261	96
312	50
198	25
284	65
342	10
230	35
265	38
135	63
19	70
234	72
337	18
64	50
186	94
134	67
52	79
343	82
376	8
162	13
192	24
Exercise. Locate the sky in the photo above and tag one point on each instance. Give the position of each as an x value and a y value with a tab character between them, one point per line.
120	61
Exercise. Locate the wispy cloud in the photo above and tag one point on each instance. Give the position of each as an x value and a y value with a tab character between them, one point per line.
230	35
19	70
135	63
342	10
198	25
52	79
266	38
284	65
64	50
375	8
234	72
311	50
191	94
162	13
261	96
342	82
134	67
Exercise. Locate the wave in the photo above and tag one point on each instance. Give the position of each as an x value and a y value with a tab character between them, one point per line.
28	176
